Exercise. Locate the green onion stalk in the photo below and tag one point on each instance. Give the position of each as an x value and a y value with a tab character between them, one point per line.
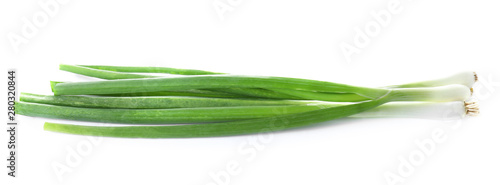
115	72
229	104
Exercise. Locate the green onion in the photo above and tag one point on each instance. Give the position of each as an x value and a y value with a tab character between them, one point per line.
192	92
207	81
244	112
455	109
423	110
443	93
159	116
151	102
111	75
433	94
245	92
136	69
256	93
464	78
449	110
212	114
322	96
108	75
275	123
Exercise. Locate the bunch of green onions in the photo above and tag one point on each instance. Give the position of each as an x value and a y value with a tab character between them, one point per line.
207	104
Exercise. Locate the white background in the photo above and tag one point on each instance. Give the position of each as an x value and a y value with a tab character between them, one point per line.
424	39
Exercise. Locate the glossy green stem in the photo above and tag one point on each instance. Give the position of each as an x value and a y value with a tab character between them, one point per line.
151	102
108	75
257	93
246	92
192	93
158	116
137	69
243	127
333	97
207	81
